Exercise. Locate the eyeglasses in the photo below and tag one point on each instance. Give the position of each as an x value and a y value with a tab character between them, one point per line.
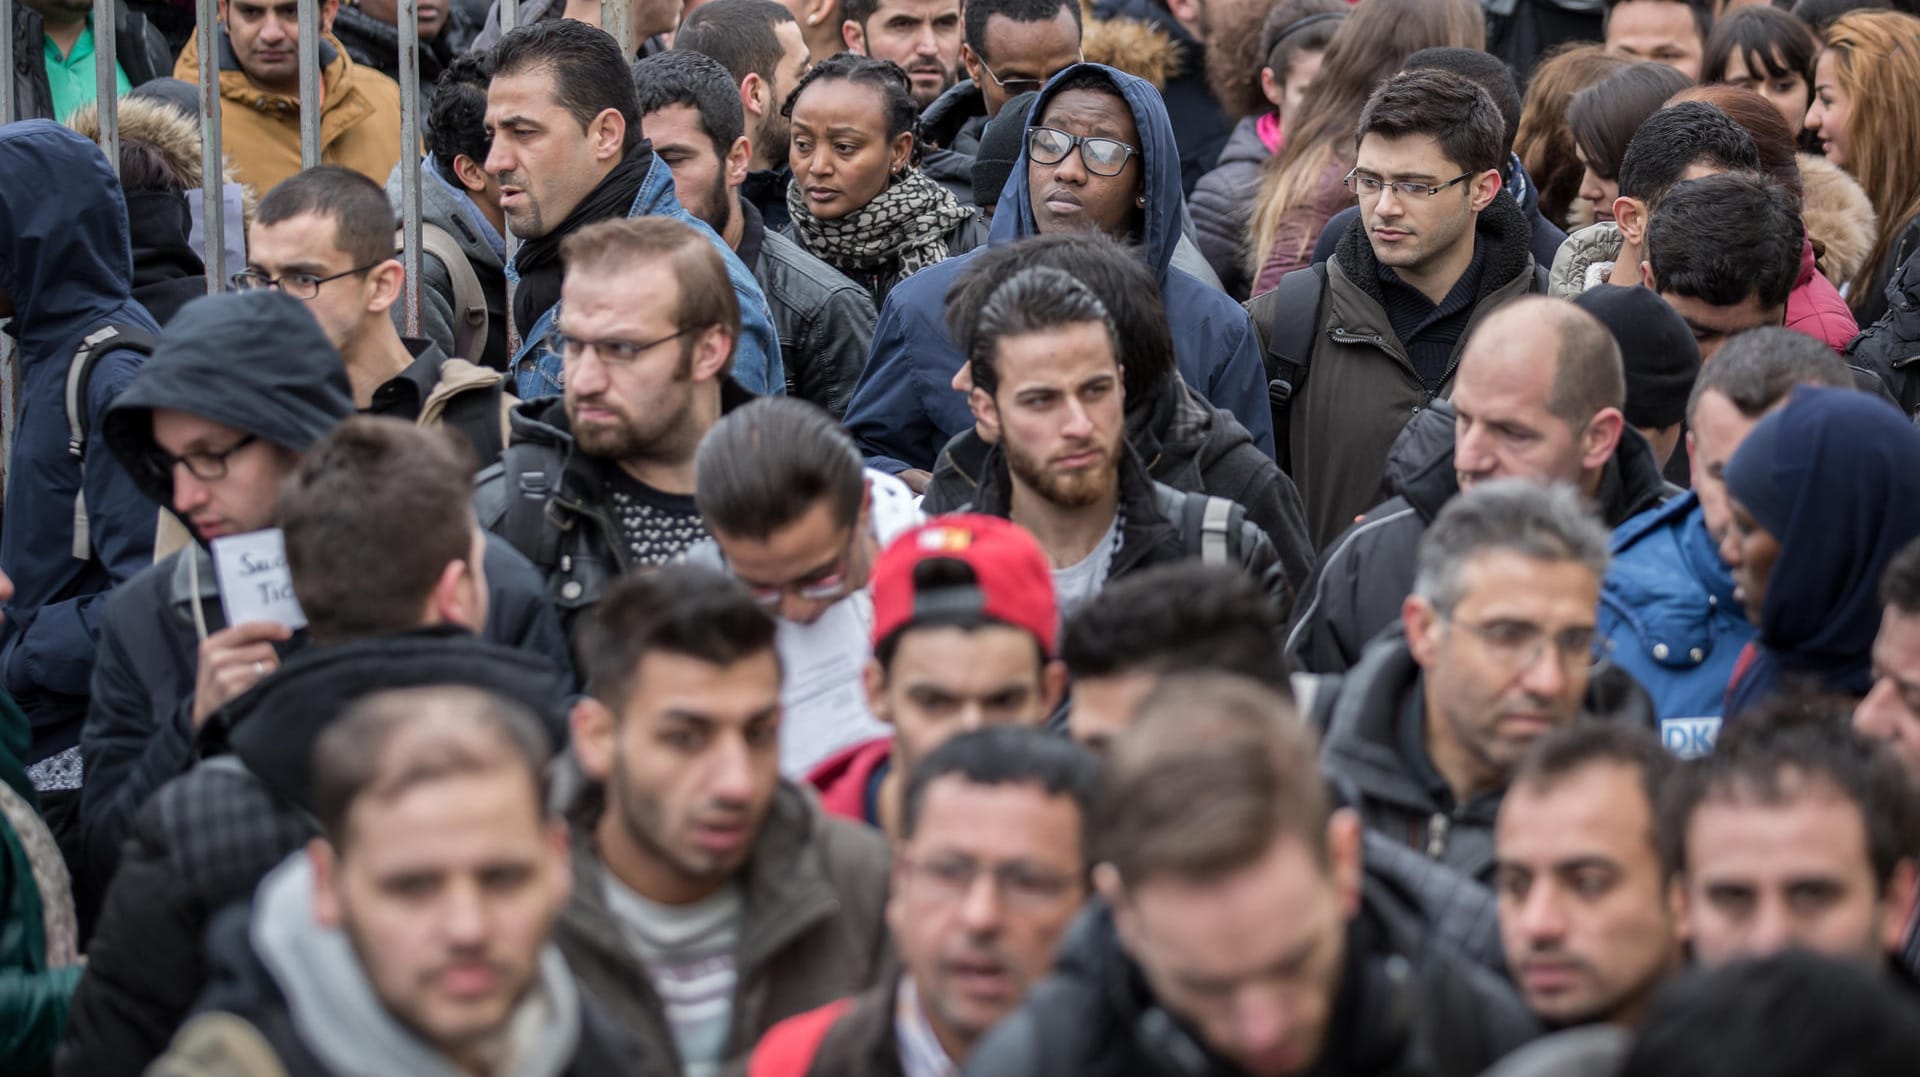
1367	185
1016	87
205	466
951	879
297	285
611	352
1517	645
824	585
1102	156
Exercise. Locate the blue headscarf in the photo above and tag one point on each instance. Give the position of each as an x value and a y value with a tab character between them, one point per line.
1834	477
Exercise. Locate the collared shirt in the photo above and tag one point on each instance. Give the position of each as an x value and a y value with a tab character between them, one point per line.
920	1052
71	78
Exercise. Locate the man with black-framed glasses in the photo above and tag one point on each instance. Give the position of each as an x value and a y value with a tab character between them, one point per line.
1496	650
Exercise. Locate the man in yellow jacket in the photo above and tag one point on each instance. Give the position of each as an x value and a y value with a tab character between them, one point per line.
260	96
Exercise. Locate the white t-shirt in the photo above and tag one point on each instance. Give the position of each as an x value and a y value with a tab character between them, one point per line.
1075	584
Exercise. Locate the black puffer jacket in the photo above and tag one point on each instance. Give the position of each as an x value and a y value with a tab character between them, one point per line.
1362	578
376	44
1407	1006
139	49
1890	347
1222	205
1186	443
824	320
208	837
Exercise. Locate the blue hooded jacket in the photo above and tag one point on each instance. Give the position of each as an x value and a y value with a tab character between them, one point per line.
1834	477
756	355
904	410
66	262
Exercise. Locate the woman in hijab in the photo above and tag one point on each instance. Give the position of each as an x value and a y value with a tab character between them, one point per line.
1824	492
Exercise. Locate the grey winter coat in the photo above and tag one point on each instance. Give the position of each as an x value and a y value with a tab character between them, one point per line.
452	210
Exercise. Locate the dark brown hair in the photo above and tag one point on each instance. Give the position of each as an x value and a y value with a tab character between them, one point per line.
706	295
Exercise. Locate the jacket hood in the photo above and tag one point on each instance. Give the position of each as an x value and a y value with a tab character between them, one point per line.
273	727
155	120
1166	212
453	211
338	1016
1835	478
66	260
1838	214
253	361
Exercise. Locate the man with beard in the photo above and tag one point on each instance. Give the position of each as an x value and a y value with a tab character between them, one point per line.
711	899
1012	805
413	935
922	36
1048	390
763	48
600	482
692	115
567	152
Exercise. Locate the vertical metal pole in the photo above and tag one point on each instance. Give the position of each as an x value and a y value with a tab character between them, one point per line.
616	18
213	174
509	15
6	63
107	87
509	21
409	20
309	83
9	371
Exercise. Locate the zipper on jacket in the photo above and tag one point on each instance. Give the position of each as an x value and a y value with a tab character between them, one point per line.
1437	829
1344	336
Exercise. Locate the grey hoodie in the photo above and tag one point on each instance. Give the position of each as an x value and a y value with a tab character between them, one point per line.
338	1017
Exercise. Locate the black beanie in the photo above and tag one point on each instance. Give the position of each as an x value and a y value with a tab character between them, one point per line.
1657	349
999	149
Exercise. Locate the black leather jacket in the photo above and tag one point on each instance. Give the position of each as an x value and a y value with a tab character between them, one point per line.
825	320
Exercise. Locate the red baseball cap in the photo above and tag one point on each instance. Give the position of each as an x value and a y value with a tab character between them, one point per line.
1011	581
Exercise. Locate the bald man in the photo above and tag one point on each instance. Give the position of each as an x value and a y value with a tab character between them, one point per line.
1539	395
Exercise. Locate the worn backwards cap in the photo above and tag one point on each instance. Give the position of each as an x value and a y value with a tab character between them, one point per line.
1010	583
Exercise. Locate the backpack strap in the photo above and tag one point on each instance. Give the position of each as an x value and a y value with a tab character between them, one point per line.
469	301
1207	525
1290	338
532	477
93	346
790	1047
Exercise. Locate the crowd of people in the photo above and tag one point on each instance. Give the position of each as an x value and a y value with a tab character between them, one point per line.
909	538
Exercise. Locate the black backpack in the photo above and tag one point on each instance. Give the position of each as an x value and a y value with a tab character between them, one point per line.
1290	347
106	338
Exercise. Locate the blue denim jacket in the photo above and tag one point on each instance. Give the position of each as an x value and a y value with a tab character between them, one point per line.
756	357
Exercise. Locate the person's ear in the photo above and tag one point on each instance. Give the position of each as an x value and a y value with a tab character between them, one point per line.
1646	278
1631	215
559	841
471	173
386	284
1053	680
220	13
1897	914
755	96
712	353
1422	622
739	157
1681	906
329	10
607	134
591	725
855	35
900	155
1485	186
986	414
455	600
1271	89
970	60
873	678
1345	858
326	882
1601	437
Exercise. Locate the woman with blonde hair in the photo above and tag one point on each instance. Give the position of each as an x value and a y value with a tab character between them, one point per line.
1301	186
1866	111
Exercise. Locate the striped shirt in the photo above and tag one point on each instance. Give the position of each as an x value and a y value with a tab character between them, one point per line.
688	951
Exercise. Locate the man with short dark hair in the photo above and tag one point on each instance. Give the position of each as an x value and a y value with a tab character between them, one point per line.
1012	804
711	899
1047	389
1434	252
1231	900
1796	832
1671	32
903	412
964	622
1538	395
413	932
259	67
1668	614
407	617
795	517
1496	652
1191	28
567	151
1012	47
1724	251
690	109
326	237
1891	711
765	49
921	36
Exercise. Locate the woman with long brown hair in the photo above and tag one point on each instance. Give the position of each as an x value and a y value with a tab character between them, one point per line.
1301	186
1866	110
1544	142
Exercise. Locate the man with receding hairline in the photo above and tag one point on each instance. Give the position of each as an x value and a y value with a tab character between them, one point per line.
1538	395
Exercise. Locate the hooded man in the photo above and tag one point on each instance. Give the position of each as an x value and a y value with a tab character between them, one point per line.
66	272
903	411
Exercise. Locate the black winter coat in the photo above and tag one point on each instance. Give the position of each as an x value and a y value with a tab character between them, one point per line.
139	49
1408	1006
1222	206
824	320
1890	347
208	837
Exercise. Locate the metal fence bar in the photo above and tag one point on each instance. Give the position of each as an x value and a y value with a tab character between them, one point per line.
213	174
9	368
309	83
616	18
6	63
106	86
409	20
509	20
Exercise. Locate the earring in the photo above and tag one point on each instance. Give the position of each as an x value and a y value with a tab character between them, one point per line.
1141	201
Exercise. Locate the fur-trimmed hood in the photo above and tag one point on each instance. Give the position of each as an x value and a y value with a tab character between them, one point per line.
1138	48
161	126
1839	217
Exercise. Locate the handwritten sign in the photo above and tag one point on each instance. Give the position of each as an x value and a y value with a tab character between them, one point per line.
254	582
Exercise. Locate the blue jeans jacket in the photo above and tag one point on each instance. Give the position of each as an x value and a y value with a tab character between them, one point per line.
756	357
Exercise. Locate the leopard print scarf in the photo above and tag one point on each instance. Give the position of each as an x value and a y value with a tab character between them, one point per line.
908	222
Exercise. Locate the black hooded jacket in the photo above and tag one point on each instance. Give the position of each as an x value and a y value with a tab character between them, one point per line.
1407	1006
167	271
205	840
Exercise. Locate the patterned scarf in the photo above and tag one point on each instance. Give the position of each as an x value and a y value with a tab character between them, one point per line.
908	223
